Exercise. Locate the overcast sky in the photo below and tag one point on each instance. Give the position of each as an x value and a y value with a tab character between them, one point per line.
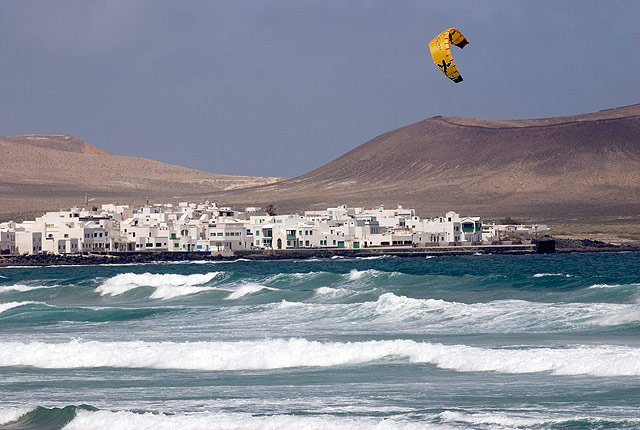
279	88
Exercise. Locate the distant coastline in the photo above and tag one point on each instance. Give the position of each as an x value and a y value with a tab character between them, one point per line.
561	246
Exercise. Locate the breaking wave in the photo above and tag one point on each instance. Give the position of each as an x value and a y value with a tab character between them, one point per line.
280	353
246	289
10	305
166	286
23	287
87	417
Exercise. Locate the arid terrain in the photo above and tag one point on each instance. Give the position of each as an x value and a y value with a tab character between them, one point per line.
49	172
579	170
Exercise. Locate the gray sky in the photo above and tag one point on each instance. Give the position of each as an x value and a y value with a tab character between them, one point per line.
282	87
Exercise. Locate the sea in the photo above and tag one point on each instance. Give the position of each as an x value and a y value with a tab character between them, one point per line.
445	342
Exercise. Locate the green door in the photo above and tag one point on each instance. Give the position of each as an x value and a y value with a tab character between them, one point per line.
356	245
340	244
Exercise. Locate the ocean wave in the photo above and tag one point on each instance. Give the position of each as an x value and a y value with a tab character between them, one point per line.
356	274
166	286
375	257
293	277
39	313
246	289
10	305
236	421
596	361
543	275
503	315
503	420
24	287
332	293
607	286
324	294
8	415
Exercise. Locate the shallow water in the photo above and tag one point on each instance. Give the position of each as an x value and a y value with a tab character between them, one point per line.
532	341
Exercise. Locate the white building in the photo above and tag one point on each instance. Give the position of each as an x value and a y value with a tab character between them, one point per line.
189	227
7	241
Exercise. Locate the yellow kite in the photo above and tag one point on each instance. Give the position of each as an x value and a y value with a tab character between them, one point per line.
441	53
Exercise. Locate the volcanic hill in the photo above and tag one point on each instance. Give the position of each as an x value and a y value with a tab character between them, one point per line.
555	169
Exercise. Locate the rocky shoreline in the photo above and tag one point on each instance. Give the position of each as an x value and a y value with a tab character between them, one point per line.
560	246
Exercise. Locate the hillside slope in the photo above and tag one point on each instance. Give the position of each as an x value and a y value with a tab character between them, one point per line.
48	172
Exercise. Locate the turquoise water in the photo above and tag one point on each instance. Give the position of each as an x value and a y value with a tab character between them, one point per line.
479	341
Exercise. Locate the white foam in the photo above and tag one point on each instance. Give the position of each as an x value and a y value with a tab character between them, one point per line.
523	419
166	292
284	304
23	287
624	314
6	306
542	275
8	415
369	273
606	286
328	292
500	419
246	289
280	353
296	277
167	285
235	421
501	315
373	257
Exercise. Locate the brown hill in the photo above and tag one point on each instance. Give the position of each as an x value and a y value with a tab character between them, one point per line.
580	167
48	172
59	142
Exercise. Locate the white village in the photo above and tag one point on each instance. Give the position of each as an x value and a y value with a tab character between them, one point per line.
192	227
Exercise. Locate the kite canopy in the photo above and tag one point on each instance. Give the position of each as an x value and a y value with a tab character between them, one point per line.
441	53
